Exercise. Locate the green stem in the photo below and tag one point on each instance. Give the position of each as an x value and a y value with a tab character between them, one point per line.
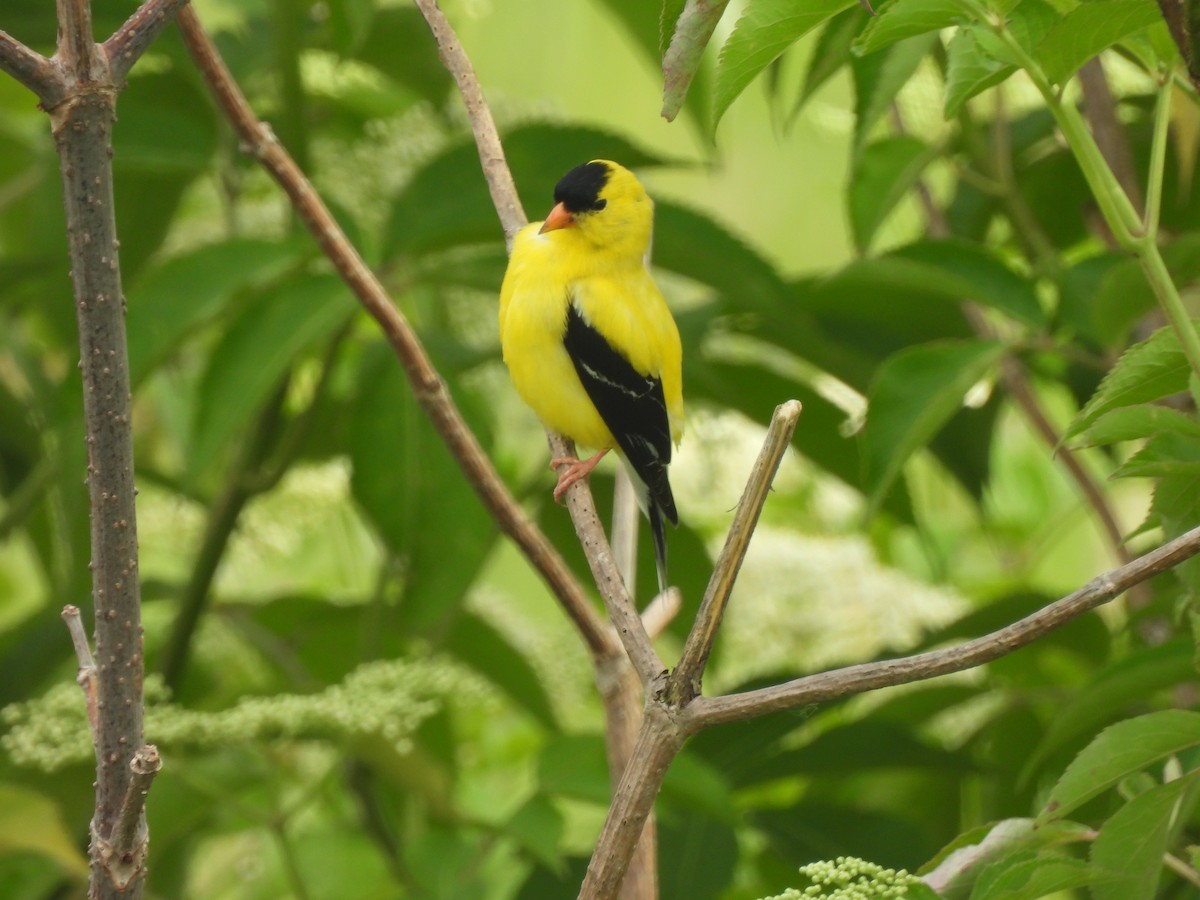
1158	156
1168	298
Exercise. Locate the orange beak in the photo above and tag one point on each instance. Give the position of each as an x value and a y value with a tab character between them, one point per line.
559	217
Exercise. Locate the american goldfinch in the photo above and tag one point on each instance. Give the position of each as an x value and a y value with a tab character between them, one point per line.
588	338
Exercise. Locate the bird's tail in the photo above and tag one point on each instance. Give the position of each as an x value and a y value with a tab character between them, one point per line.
658	532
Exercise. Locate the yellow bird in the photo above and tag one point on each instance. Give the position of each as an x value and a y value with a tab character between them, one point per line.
588	338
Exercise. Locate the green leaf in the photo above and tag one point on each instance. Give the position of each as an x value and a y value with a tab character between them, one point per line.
418	67
538	827
1133	423
1150	370
1127	856
415	495
1088	29
1123	296
488	651
253	354
899	19
878	79
1119	751
883	175
914	394
171	300
974	272
1167	453
831	52
576	766
31	822
698	855
969	70
654	26
1028	876
1110	694
694	783
765	30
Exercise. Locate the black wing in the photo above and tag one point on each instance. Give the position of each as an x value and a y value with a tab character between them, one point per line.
631	405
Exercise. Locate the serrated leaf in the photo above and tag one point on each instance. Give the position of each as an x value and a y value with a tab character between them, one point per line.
1164	454
1087	30
901	19
253	354
177	296
1133	423
1127	855
914	394
1119	751
969	70
883	175
1150	370
765	30
1110	694
1028	876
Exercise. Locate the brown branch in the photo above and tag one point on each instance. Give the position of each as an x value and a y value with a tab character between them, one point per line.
1100	108
86	676
38	73
428	386
684	683
130	41
125	855
825	686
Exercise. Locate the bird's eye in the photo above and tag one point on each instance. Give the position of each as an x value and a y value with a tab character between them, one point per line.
599	205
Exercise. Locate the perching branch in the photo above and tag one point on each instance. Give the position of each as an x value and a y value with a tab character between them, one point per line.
684	683
125	855
36	72
428	386
130	41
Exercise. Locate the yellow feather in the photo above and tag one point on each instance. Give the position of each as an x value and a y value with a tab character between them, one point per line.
600	261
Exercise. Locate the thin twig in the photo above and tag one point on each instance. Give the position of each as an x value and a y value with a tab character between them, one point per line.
705	712
130	41
1182	869
487	138
685	680
428	386
86	676
38	73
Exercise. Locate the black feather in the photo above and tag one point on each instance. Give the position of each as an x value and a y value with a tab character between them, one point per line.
631	405
579	190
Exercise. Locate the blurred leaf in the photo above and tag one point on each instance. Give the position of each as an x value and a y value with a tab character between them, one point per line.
339	862
883	175
350	22
253	354
392	27
1119	751
1127	855
831	51
1176	505
538	827
169	301
1088	29
693	783
969	70
32	823
1149	370
815	830
446	203
1111	693
485	649
899	19
765	30
575	766
1028	876
1123	295
878	79
415	494
698	855
914	394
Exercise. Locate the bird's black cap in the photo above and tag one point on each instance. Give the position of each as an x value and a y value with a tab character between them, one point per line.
579	190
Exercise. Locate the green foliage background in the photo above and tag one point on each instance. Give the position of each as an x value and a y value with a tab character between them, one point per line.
361	691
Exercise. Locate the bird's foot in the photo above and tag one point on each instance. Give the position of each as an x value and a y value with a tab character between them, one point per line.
577	468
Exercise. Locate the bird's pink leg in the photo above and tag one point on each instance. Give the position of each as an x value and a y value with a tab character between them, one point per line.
578	468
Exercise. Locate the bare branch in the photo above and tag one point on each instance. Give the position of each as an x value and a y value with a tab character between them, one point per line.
705	712
86	676
33	70
428	386
130	41
685	680
491	153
